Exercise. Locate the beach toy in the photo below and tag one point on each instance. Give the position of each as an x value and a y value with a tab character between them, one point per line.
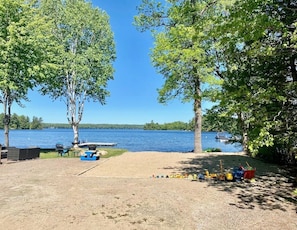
221	177
249	174
213	175
194	177
229	176
252	180
201	176
238	173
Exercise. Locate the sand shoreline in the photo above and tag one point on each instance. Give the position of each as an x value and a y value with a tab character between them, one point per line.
120	193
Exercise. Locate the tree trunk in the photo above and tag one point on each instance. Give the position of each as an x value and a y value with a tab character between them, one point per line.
293	67
198	125
6	134
198	121
6	122
244	129
245	142
75	133
198	117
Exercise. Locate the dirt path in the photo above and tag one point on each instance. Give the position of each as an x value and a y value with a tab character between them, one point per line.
121	193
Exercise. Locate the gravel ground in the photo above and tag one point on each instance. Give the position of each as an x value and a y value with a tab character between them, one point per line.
131	191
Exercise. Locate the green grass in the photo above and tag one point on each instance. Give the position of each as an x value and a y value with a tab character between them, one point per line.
49	154
111	152
209	150
44	154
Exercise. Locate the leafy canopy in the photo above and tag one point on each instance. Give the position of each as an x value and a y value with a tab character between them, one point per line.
88	50
26	48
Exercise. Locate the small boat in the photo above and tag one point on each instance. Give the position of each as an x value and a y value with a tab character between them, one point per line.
222	137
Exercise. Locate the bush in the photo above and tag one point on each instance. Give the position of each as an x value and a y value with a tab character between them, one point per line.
209	150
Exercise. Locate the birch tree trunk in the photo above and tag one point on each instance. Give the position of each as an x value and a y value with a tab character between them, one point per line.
76	136
7	116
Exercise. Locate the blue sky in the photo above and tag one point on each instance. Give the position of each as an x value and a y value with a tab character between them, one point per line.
133	92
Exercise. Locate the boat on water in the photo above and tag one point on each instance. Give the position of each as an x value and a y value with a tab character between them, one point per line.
223	137
226	137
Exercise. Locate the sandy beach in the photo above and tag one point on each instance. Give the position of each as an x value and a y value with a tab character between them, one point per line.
131	191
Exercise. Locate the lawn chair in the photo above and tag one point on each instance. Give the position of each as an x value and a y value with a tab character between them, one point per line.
61	150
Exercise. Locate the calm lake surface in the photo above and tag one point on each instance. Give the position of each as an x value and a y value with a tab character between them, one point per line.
130	139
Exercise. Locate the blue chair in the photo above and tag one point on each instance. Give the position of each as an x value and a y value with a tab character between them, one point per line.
61	150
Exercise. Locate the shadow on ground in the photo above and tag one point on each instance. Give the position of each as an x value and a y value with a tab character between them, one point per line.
272	189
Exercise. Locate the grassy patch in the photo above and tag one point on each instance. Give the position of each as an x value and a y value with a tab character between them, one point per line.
49	154
112	152
209	150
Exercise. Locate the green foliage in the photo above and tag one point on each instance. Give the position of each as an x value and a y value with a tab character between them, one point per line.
36	123
26	47
198	42
215	119
112	152
184	52
87	53
259	73
177	125
86	56
210	150
21	122
181	54
27	53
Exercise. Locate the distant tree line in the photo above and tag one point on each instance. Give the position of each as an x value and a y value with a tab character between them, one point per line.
93	126
176	125
21	122
211	122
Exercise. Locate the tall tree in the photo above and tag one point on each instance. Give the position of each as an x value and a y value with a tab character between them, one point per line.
26	53
24	122
36	123
260	71
184	52
86	58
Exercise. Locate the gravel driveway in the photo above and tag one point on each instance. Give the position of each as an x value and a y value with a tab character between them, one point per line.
124	193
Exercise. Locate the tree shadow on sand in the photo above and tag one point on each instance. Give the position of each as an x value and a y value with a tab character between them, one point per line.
272	189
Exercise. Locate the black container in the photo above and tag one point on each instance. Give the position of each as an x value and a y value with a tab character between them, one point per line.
22	153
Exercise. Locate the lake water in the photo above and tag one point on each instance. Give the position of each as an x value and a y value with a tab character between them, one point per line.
130	139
